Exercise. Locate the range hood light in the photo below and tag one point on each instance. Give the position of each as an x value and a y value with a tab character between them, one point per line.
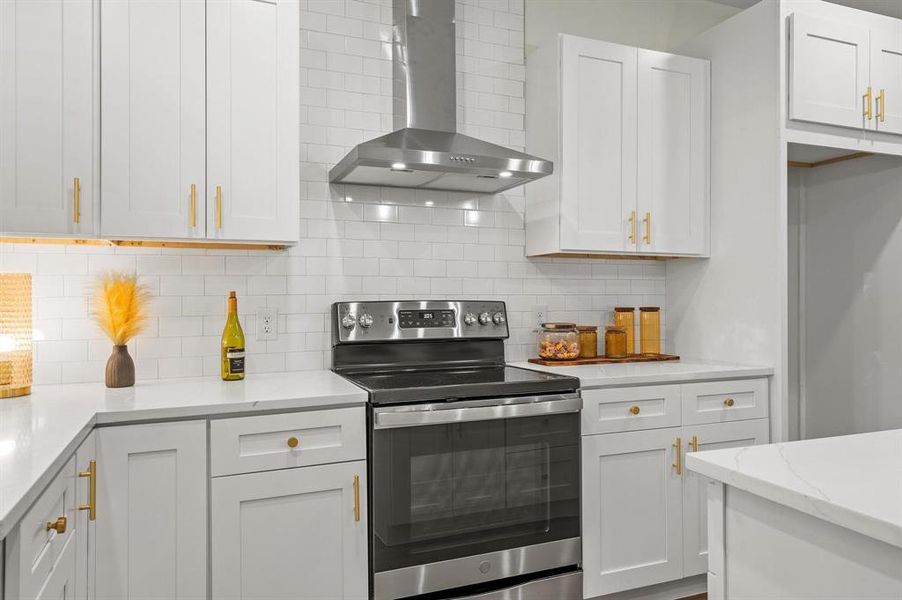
504	174
398	166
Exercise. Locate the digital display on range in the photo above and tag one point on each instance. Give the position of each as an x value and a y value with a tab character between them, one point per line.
414	319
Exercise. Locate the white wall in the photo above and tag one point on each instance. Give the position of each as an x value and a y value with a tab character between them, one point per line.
852	253
356	242
655	24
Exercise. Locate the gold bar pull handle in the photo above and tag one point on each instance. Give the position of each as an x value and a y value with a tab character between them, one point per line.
694	443
356	497
76	200
193	205
647	221
881	105
678	461
91	506
632	236
218	207
868	101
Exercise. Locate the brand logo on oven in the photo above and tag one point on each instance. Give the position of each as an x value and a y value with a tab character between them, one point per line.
484	567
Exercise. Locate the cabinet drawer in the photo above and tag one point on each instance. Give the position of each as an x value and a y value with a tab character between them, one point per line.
263	443
34	551
719	401
630	409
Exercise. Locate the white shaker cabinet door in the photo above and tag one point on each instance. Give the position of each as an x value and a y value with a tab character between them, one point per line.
828	71
151	527
252	117
673	153
48	121
291	534
632	499
598	145
886	78
152	101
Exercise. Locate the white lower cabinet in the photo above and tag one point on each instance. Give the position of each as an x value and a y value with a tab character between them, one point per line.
632	499
695	522
296	534
644	514
151	528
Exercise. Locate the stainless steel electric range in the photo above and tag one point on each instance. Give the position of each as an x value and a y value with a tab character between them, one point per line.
474	466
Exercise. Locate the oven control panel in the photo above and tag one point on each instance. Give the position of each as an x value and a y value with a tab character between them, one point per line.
380	321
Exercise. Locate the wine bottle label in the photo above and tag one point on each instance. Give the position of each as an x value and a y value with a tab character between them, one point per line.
235	356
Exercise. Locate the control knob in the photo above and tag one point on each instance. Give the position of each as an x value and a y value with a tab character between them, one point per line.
470	319
365	320
498	318
348	321
485	318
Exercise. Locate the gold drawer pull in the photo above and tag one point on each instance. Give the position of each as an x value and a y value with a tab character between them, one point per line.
678	462
76	197
729	402
58	526
193	205
634	409
292	442
91	506
694	443
647	220
867	99
356	497
218	207
632	236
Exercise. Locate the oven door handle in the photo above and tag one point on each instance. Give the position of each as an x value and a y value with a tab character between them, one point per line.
433	414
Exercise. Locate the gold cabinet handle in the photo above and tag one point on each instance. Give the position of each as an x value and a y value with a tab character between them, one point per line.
632	236
58	526
694	443
91	506
76	200
867	98
647	221
634	409
881	105
729	402
356	497
678	462
292	442
193	205
218	207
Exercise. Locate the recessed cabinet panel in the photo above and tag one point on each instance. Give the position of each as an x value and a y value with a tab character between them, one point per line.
828	71
47	117
886	78
252	115
152	103
598	191
673	153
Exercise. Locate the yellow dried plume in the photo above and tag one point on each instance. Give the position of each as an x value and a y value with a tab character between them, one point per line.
120	306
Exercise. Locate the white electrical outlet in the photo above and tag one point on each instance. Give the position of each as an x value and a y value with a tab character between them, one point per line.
541	313
267	324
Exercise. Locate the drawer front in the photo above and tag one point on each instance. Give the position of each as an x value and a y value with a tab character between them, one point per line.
721	401
39	548
299	439
630	409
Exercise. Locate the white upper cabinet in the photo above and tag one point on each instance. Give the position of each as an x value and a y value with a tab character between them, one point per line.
152	102
846	69
48	117
598	191
828	71
673	153
253	118
630	149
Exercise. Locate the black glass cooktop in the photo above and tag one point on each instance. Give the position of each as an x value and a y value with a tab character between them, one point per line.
429	385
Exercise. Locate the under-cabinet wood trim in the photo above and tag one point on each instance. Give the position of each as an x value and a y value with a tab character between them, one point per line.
796	164
143	243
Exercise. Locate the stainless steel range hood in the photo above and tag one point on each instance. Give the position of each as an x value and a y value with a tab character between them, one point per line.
425	151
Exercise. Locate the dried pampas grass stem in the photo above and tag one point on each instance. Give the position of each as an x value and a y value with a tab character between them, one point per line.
120	306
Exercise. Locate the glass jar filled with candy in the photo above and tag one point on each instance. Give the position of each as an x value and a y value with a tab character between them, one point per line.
559	341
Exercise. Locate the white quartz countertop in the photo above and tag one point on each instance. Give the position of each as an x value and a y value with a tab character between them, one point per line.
853	481
645	373
39	432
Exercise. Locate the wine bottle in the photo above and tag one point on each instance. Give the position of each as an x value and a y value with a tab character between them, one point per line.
232	368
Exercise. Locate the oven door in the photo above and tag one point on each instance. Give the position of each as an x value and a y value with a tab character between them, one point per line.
473	491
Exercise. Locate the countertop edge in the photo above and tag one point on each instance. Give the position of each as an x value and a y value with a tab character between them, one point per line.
862	523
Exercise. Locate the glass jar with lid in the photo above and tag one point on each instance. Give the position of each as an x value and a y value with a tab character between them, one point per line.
559	341
588	341
615	342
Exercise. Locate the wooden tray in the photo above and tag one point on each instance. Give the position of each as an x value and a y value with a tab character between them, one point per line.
600	360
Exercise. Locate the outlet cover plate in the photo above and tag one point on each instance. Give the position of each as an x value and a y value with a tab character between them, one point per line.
267	324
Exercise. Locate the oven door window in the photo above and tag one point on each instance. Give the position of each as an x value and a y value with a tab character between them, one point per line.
445	491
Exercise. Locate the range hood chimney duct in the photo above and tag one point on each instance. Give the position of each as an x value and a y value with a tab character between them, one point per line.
425	150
